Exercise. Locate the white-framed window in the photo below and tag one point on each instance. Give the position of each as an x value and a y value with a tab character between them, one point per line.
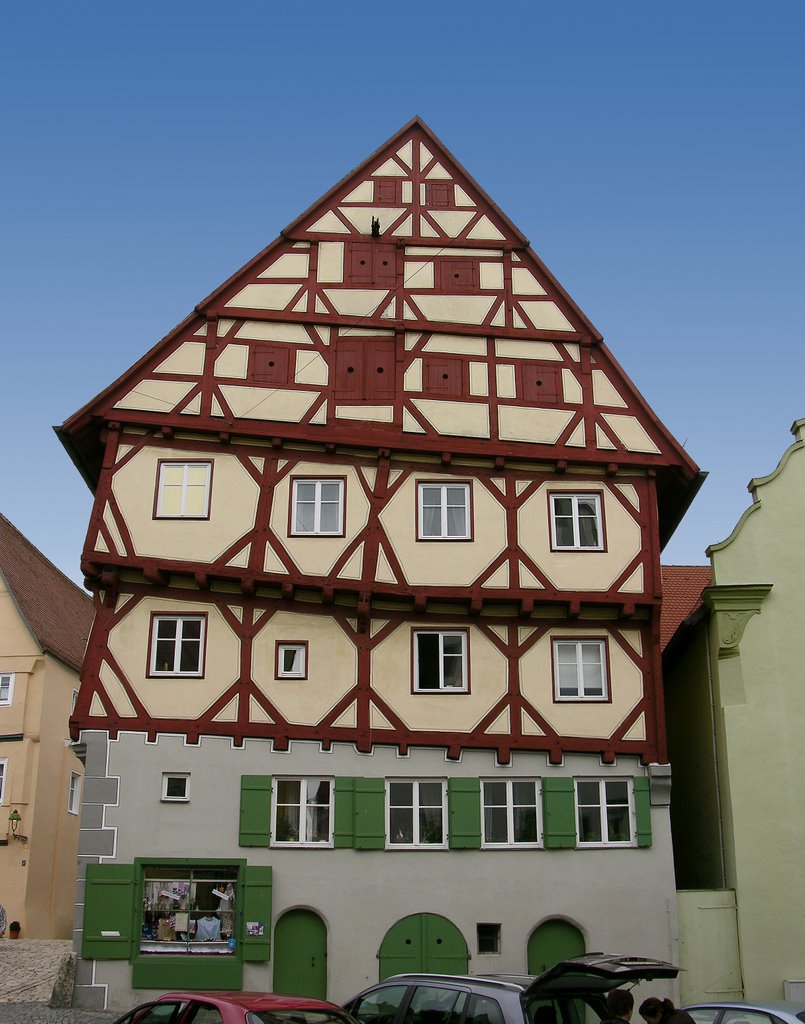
444	511
6	688
73	701
302	812
74	794
511	812
175	787
440	660
604	812
292	660
576	522
580	669
183	491
415	811
3	777
318	508
177	645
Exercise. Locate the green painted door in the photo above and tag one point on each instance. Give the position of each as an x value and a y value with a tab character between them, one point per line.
300	955
423	942
553	941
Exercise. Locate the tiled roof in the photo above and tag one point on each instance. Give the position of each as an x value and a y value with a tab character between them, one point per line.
682	587
57	612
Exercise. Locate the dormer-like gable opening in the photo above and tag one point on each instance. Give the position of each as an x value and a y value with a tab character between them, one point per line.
371	263
364	368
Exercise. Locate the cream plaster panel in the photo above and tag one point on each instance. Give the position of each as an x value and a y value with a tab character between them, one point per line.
364	193
455	419
425	156
587	719
223	327
331	670
511	348
100	544
603	391
155	395
263	404
479	379
310	369
188	358
630	433
116	693
169	697
491	275
484	229
301	305
258	330
602	441
193	407
439	172
373	413
629	491
460	309
517	320
418	274
360	217
507	388
233	507
412	380
316	555
572	350
408	192
356	301
363	332
452	222
461	197
634	584
410	425
390	169
543	426
331	224
524	282
428	250
455	344
578	570
392	678
431	563
330	268
406	153
578	438
571	388
411	338
406	228
233	362
264	296
499	319
111	526
290	264
546	316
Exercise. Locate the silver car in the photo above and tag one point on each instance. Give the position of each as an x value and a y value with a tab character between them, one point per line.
729	1012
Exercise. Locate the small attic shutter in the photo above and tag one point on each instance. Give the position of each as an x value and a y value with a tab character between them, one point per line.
642	806
559	813
464	806
255	810
370	814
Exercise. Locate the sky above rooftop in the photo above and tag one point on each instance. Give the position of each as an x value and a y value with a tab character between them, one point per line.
651	151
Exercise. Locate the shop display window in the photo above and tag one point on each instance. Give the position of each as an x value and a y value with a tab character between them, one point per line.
189	910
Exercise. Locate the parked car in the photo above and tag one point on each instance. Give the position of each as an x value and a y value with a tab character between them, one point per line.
739	1012
234	1008
557	996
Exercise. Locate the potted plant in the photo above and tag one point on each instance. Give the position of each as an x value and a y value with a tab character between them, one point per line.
14	930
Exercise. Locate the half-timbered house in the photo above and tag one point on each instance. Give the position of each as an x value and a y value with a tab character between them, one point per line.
375	678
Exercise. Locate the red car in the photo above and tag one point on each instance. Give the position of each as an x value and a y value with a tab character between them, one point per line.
235	1008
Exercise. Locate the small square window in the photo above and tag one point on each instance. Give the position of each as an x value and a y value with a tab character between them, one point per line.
440	661
488	938
177	645
6	688
184	490
302	812
416	814
176	786
576	523
444	511
74	794
318	508
511	813
580	670
604	812
292	660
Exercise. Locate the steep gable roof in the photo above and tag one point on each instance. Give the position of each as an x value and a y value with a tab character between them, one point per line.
682	587
58	614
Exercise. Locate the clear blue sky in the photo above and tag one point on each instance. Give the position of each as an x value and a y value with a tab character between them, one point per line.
653	152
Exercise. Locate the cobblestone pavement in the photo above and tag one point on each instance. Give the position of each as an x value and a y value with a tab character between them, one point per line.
29	969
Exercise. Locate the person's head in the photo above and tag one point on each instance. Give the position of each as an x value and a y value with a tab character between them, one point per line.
652	1010
620	1003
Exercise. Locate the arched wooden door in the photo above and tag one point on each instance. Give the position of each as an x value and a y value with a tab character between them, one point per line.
423	942
300	954
553	941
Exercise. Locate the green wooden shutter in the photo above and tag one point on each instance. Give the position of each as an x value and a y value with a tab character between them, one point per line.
559	813
109	907
255	810
464	808
642	807
344	825
256	912
370	814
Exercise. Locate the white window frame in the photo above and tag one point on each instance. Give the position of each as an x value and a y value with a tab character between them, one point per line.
444	529
161	486
511	842
416	805
307	783
575	497
167	777
442	634
603	807
317	530
73	701
177	671
7	680
298	673
3	779
580	693
74	793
